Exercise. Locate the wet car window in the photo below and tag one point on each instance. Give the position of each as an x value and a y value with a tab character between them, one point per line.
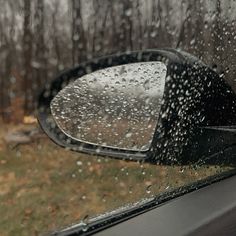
44	187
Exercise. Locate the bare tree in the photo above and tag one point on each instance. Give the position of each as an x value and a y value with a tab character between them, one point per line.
140	25
218	43
40	49
56	35
9	58
27	56
79	49
156	32
126	27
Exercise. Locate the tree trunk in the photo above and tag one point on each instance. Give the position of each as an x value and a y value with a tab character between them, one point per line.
78	38
40	57
27	57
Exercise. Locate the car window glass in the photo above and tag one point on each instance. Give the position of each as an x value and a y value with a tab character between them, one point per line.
44	187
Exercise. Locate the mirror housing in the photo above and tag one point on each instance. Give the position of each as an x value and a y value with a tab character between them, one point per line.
194	96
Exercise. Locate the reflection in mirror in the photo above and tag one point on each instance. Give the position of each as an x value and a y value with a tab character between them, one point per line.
113	107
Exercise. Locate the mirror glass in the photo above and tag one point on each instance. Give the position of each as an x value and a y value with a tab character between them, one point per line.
113	107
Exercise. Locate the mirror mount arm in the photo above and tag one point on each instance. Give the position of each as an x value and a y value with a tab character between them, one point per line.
209	144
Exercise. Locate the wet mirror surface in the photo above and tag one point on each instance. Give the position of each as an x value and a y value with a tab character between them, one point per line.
115	107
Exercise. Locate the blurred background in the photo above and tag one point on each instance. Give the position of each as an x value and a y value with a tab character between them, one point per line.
40	38
44	187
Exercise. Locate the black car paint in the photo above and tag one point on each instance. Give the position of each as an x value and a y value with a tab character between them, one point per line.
206	100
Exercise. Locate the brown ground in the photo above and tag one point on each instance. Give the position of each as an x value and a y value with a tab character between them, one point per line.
44	187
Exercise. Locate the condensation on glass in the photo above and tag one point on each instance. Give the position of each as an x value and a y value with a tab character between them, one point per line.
114	107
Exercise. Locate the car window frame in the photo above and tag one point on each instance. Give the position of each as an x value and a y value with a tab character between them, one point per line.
105	221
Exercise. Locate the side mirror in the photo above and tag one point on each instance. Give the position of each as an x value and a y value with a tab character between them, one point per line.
153	105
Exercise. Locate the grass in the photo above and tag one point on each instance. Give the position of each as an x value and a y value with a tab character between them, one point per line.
44	187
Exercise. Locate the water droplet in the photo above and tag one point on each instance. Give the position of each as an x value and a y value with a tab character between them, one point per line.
149	189
79	163
128	12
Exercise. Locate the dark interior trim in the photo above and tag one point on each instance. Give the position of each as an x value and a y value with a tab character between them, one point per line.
208	211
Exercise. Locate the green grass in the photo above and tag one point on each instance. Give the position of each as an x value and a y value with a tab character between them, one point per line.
44	187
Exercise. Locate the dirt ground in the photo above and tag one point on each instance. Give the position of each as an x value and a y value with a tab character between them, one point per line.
44	187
